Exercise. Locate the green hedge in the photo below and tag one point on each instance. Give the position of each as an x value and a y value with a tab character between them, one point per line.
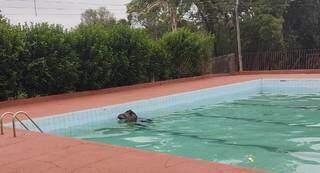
44	59
51	65
130	48
12	49
187	52
90	43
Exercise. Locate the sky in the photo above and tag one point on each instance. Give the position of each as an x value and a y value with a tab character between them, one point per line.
65	12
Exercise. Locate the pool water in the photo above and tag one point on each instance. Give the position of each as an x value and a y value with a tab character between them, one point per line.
277	133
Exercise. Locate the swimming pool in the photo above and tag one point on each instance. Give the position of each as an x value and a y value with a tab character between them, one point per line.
268	124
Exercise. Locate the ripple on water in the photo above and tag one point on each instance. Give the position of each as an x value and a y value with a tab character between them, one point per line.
231	161
305	140
315	147
314	125
307	156
308	168
142	139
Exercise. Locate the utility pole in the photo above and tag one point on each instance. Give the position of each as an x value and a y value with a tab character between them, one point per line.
35	7
238	36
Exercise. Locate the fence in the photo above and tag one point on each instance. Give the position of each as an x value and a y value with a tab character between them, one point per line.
224	64
215	65
303	59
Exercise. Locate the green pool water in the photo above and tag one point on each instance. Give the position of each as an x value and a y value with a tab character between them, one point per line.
277	133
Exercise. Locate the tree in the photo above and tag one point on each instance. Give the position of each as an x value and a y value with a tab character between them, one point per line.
261	23
302	24
217	18
159	9
2	18
156	24
262	33
98	16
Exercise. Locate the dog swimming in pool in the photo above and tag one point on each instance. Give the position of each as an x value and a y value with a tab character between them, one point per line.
131	117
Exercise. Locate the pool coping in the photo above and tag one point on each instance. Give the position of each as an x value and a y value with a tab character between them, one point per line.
11	159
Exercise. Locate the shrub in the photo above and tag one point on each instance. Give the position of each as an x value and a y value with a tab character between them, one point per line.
43	59
131	48
11	48
90	43
111	56
51	64
159	67
187	52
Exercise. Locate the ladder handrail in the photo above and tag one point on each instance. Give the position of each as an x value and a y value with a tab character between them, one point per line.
1	120
15	117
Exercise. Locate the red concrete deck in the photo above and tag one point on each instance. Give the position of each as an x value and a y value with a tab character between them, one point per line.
40	153
33	152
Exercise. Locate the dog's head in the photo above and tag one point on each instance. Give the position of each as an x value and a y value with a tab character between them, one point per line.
128	116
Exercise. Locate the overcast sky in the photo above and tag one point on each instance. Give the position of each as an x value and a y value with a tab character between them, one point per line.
65	12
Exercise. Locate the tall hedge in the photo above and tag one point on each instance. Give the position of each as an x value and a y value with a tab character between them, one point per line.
51	65
130	48
111	56
43	59
96	59
187	52
159	65
12	48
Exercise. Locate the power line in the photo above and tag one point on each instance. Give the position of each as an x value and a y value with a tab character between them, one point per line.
73	2
44	14
52	8
36	8
252	4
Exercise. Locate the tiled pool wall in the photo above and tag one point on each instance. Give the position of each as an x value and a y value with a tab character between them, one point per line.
143	107
61	124
290	86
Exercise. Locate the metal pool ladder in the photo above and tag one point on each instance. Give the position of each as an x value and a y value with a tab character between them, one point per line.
14	117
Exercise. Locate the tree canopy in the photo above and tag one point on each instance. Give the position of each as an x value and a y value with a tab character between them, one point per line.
98	16
302	24
265	24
